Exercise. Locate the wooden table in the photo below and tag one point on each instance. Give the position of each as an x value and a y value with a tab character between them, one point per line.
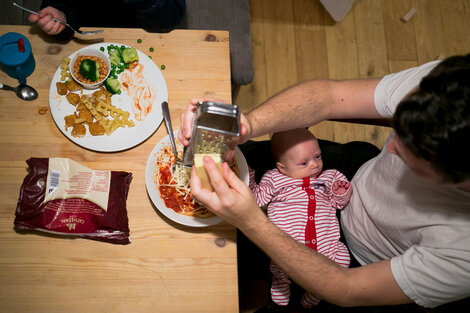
167	267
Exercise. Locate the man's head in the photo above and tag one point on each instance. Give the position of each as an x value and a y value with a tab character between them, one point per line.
433	123
297	153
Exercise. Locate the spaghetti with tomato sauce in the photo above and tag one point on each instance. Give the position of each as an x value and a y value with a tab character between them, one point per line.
181	203
173	184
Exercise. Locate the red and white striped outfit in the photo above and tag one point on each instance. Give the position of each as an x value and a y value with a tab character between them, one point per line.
306	210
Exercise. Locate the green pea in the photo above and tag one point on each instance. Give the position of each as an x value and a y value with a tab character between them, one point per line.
139	40
163	67
102	49
151	49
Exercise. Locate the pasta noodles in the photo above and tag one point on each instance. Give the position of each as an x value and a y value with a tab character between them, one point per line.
174	187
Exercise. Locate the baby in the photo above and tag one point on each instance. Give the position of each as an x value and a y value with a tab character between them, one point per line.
302	201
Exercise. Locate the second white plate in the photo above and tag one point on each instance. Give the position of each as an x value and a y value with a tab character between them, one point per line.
121	138
154	193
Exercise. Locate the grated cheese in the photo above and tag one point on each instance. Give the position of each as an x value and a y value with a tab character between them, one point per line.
180	177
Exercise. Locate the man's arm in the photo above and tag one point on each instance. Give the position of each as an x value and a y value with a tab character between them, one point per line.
233	201
364	286
308	103
302	105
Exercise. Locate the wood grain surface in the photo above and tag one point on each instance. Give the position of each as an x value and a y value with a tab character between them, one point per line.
167	267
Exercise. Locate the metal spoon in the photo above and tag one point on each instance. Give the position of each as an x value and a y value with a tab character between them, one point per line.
23	91
166	118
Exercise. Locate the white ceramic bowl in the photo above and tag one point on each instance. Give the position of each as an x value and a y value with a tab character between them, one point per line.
90	52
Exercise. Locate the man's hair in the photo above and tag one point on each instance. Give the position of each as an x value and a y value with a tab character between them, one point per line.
434	121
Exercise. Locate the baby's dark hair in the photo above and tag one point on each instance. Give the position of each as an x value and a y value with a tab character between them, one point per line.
434	121
282	141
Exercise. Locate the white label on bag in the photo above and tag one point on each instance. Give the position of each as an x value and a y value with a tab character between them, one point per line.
68	179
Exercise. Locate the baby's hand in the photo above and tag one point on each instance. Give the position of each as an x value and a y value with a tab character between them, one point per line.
340	187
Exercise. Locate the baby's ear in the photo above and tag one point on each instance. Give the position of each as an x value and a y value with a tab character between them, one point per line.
281	168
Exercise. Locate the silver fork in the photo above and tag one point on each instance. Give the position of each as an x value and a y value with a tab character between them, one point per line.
167	119
60	21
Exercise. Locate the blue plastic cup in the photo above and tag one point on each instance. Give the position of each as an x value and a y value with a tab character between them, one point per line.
16	57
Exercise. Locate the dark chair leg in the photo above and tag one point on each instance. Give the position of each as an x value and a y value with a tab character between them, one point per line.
235	90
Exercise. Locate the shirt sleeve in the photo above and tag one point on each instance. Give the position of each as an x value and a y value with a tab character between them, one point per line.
160	15
68	8
264	191
251	174
432	277
394	87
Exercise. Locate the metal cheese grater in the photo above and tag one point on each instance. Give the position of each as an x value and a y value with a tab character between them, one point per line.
216	129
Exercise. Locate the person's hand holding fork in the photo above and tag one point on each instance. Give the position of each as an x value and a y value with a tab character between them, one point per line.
46	22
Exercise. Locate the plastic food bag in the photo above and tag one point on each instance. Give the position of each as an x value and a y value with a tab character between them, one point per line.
64	197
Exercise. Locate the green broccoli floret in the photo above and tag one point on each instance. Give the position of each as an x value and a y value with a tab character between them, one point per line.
90	69
129	55
112	85
114	57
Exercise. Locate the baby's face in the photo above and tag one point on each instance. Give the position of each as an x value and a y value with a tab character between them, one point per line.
302	160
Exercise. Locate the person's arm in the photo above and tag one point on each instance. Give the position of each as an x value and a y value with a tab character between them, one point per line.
308	103
233	201
367	285
302	105
159	15
264	191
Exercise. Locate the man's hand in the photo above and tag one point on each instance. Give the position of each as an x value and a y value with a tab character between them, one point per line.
45	20
187	123
231	199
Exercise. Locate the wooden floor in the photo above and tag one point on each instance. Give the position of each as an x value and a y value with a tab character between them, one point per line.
296	40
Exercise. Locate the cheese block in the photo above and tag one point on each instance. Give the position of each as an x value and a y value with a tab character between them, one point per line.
201	171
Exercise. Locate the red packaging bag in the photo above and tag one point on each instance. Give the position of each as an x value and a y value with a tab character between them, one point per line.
61	196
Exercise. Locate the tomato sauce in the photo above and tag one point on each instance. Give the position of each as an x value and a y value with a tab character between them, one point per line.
180	203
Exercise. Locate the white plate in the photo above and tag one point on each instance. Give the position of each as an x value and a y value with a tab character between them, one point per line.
121	138
154	193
